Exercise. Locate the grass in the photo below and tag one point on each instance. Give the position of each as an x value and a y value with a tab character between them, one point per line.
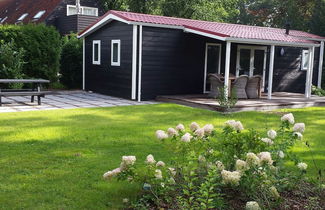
55	159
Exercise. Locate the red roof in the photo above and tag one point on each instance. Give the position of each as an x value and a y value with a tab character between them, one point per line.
215	28
14	9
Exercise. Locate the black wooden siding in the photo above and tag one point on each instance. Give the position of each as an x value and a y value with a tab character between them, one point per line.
104	78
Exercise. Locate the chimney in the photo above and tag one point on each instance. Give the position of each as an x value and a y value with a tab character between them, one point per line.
287	28
78	7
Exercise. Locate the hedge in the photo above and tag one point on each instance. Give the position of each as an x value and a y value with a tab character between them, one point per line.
42	45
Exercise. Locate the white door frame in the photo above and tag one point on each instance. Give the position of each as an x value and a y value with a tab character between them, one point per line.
252	58
206	63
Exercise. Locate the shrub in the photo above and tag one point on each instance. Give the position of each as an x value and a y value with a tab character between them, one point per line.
71	62
210	168
317	91
42	45
11	63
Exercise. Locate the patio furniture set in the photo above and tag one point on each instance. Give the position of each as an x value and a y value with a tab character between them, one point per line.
244	87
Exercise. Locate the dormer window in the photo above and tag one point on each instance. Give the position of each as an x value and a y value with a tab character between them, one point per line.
21	18
91	11
3	20
39	14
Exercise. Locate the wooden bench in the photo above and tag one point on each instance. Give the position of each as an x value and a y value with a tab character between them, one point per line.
27	93
35	91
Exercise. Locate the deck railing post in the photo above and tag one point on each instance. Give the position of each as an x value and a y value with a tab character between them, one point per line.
320	67
227	69
271	67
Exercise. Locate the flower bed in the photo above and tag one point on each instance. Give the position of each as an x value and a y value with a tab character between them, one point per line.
221	169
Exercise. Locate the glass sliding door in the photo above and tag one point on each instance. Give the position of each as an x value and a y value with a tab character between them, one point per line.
212	62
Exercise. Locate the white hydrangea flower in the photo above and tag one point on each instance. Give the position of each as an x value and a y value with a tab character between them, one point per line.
281	154
299	127
180	127
274	192
289	118
241	165
236	125
171	132
252	205
252	159
267	141
125	200
302	166
161	135
158	174
231	177
201	158
298	135
172	171
266	157
127	161
194	126
220	165
211	151
110	174
160	164
186	137
208	128
150	159
200	132
272	134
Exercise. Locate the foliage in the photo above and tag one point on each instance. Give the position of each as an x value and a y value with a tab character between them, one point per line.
42	45
71	62
11	63
209	166
317	91
225	102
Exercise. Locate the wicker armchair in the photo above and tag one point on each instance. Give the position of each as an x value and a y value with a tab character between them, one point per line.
253	87
239	86
215	84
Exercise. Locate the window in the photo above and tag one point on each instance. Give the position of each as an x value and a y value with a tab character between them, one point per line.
91	11
96	52
116	52
3	20
39	14
305	60
22	17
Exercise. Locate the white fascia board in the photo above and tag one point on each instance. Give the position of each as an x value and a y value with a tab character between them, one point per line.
156	25
270	42
101	23
204	34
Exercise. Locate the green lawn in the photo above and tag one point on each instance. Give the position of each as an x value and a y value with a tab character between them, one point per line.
55	159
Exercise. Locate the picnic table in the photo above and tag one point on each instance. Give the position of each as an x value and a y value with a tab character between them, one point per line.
35	91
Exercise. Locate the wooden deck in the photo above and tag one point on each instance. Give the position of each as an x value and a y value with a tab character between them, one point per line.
279	100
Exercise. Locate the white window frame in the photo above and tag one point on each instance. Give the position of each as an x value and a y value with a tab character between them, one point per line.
81	8
118	42
206	63
39	14
99	52
304	56
22	17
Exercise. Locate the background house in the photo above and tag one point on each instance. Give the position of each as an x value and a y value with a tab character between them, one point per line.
138	56
60	13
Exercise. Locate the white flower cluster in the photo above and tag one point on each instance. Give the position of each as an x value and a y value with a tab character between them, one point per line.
161	135
231	177
241	165
150	160
272	134
302	166
298	135
281	154
252	159
180	127
158	174
171	132
208	128
126	162
194	126
267	141
220	165
265	157
236	125
252	205
299	127
186	137
160	164
288	118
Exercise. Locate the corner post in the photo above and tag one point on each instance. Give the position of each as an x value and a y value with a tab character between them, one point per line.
134	61
271	68
320	67
83	64
140	63
309	73
227	68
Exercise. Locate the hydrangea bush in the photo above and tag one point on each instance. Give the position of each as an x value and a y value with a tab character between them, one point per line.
210	166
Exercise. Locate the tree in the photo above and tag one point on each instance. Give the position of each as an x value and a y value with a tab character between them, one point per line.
317	23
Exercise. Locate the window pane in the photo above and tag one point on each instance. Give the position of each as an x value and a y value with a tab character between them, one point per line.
115	52
96	46
72	10
89	11
305	60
